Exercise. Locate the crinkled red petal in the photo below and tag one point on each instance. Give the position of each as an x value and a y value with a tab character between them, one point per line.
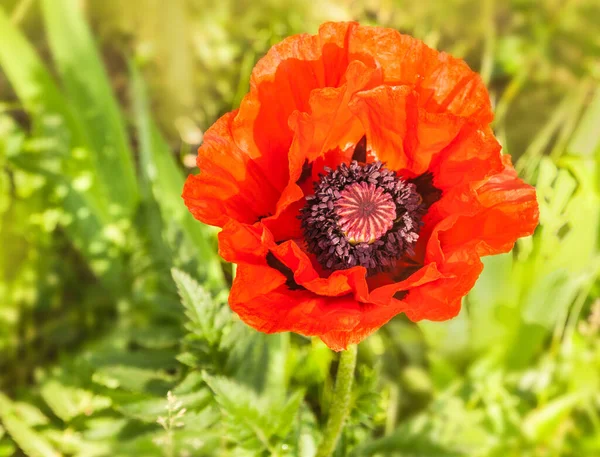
403	135
444	83
260	299
232	184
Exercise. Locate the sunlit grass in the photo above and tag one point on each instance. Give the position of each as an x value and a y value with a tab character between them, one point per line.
111	295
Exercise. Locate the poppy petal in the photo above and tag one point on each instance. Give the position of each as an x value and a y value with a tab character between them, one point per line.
481	219
472	156
245	243
282	83
340	282
453	87
403	135
330	122
505	209
444	83
283	310
232	183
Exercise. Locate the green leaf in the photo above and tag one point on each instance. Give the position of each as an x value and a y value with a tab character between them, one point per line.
541	424
88	218
30	414
149	410
90	95
586	139
492	305
31	442
68	402
207	318
578	243
27	73
161	173
548	298
406	443
133	379
254	422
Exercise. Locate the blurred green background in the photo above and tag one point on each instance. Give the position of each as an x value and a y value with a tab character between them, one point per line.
112	296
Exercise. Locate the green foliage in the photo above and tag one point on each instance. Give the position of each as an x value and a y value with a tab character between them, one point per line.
115	335
254	423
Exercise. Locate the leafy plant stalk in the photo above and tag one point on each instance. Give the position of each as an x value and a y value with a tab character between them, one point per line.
340	405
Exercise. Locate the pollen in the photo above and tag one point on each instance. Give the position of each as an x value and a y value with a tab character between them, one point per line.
365	212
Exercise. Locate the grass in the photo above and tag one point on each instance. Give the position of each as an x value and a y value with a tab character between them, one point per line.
112	298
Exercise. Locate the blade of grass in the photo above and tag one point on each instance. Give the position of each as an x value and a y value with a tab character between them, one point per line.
510	94
39	93
586	139
571	123
20	11
29	77
159	170
487	60
90	94
85	205
528	162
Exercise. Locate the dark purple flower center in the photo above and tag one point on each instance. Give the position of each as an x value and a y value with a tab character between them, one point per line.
362	214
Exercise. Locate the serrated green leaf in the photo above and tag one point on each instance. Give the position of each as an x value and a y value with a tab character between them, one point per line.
287	414
104	428
189	359
74	444
30	442
546	301
190	384
254	422
548	298
207	318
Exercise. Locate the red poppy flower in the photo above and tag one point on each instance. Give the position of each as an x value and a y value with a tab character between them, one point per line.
358	179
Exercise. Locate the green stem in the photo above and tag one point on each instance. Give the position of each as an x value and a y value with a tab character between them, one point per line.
340	405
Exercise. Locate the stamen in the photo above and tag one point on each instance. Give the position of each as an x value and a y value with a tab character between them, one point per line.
362	214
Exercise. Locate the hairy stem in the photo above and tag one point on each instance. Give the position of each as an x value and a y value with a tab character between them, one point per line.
340	405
